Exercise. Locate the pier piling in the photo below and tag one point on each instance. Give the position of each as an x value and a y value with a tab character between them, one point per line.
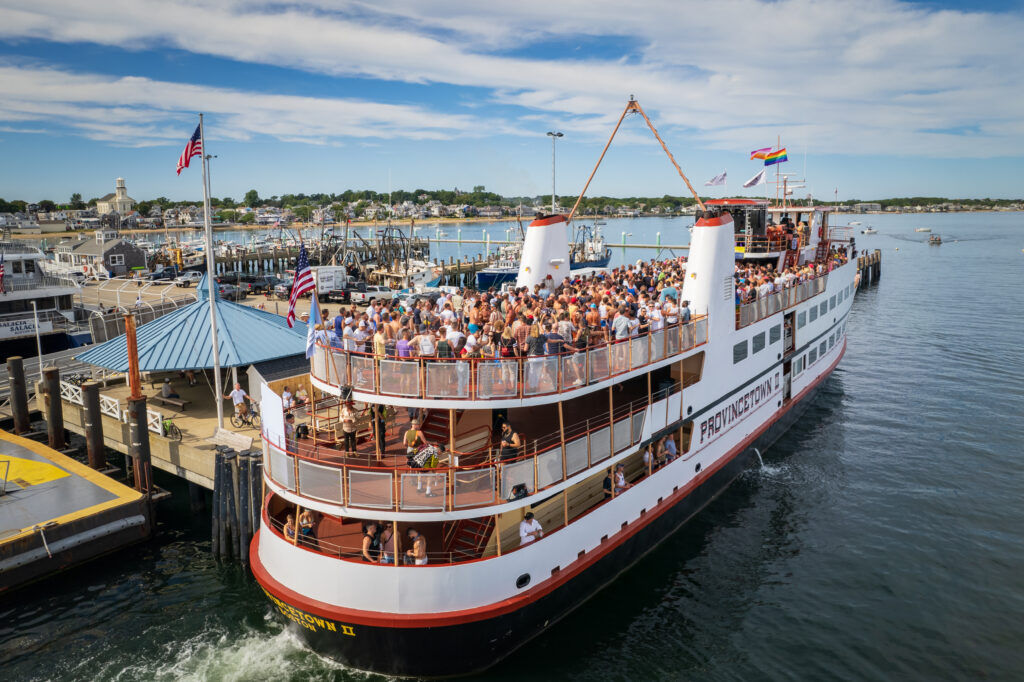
93	425
54	409
19	394
230	508
138	425
216	528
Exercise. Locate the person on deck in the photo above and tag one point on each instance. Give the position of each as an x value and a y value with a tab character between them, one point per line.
238	398
167	391
529	530
371	544
418	553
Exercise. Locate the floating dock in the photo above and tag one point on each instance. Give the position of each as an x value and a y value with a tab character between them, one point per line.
56	513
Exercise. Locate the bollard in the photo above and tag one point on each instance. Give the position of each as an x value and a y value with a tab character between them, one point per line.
138	429
93	419
244	516
231	500
215	520
19	394
54	409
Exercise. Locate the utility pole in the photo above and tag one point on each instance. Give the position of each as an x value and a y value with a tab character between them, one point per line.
553	135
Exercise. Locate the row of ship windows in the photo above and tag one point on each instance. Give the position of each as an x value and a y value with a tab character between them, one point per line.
739	351
809	358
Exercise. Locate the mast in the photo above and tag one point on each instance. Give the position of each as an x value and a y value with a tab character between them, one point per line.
211	283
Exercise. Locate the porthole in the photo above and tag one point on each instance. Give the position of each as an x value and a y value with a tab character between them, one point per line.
522	581
697	468
689	409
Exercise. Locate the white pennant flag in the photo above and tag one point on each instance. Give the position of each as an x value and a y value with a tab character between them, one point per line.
717	180
756	180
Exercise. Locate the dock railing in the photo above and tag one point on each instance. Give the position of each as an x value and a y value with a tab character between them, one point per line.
496	378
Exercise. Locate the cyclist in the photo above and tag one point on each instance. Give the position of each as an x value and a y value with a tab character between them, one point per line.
238	397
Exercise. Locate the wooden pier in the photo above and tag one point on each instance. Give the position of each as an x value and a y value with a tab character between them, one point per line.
869	268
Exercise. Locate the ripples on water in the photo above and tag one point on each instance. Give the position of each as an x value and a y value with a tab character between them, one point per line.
882	539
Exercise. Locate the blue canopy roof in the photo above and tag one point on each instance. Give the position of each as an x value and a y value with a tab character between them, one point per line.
181	340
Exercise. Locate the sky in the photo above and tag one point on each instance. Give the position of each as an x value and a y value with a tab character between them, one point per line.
872	99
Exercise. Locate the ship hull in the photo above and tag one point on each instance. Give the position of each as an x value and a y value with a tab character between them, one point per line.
479	642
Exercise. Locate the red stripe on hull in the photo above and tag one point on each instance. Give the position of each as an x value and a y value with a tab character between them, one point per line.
402	620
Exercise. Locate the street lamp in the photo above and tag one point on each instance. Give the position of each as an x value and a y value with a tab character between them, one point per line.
553	135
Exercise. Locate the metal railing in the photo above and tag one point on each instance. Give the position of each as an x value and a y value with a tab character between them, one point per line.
497	378
769	305
30	283
322	473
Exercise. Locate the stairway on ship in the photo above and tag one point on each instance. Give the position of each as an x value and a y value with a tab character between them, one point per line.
466	539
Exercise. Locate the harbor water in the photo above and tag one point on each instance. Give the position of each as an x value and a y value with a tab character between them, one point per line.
883	538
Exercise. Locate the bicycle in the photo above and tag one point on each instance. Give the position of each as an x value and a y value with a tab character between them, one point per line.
250	418
171	430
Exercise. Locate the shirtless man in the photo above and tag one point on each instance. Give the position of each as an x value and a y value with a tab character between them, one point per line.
419	548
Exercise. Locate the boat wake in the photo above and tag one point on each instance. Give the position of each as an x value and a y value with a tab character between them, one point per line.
252	654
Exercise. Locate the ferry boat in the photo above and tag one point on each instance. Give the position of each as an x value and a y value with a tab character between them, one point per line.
721	387
30	278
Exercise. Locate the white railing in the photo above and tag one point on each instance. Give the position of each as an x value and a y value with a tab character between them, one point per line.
110	406
769	305
155	421
71	393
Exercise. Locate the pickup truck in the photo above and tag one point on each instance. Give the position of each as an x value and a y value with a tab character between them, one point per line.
370	293
188	278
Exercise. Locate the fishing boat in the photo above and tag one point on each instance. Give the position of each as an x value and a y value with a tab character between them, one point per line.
721	387
934	240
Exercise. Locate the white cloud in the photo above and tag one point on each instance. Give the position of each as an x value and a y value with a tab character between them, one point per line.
855	77
149	112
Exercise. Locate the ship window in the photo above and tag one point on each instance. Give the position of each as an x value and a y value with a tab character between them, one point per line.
739	351
822	348
831	341
812	356
801	320
522	581
775	333
758	343
823	308
30	266
16	267
832	303
814	314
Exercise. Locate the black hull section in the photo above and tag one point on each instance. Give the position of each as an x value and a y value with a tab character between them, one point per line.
476	645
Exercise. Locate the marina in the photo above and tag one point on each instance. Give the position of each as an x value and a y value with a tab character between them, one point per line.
403	342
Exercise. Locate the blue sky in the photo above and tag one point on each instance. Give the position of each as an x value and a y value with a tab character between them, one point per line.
875	98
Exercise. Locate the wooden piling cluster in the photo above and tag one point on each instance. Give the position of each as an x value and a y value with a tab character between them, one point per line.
869	267
237	501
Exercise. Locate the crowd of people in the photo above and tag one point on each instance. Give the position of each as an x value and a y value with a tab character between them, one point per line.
549	318
755	281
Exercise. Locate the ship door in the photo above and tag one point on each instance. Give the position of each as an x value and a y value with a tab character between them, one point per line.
787	382
789	333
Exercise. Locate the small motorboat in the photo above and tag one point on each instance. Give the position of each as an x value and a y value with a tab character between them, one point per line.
869	230
922	229
935	240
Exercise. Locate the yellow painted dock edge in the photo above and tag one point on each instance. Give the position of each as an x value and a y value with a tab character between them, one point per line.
123	493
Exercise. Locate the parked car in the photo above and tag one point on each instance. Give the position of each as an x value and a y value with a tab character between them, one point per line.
161	275
283	288
188	278
370	293
230	292
257	284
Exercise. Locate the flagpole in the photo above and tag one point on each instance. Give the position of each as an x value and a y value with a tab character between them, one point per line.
211	282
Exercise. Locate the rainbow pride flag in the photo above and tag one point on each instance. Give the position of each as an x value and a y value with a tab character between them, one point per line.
759	153
776	157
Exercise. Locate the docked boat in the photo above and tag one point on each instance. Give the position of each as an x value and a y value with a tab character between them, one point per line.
37	297
720	388
934	240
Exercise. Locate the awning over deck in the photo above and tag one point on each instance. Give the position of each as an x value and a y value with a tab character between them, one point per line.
181	340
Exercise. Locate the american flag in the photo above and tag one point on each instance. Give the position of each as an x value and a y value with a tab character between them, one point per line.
193	148
303	283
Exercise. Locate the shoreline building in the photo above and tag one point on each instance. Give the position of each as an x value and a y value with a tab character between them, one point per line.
116	202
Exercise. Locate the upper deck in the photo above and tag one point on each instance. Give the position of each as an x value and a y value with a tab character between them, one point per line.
500	381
